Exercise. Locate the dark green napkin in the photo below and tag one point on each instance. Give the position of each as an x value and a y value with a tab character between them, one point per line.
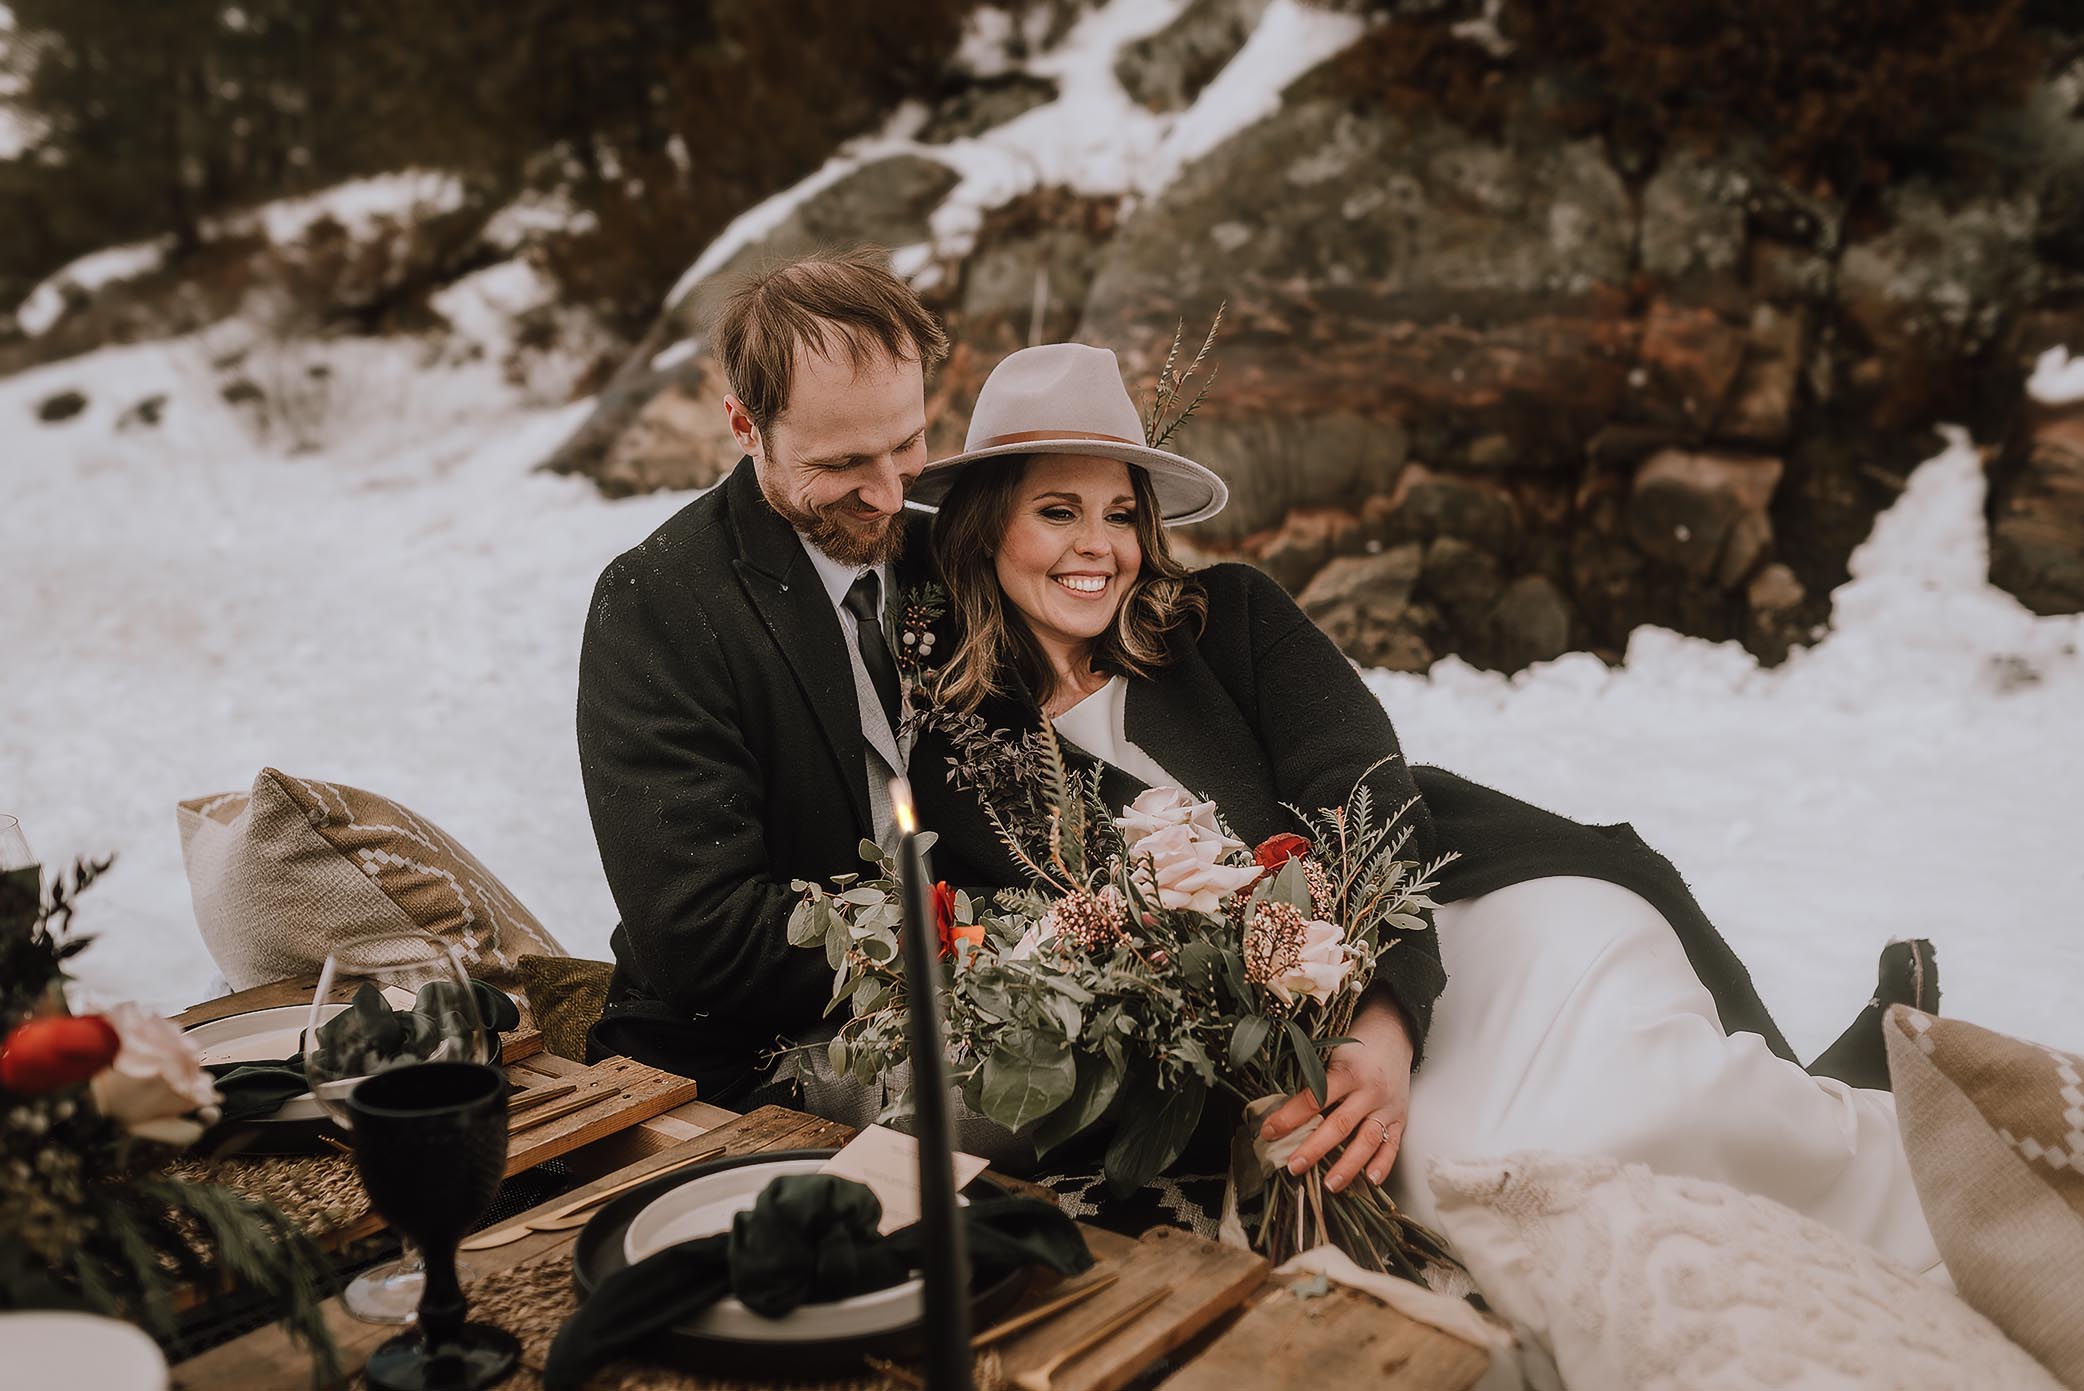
369	1031
250	1090
369	1034
809	1238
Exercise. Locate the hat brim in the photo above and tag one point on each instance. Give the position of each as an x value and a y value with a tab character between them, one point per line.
1187	491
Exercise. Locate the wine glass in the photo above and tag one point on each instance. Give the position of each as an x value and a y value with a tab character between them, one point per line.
14	847
431	1143
385	1001
21	879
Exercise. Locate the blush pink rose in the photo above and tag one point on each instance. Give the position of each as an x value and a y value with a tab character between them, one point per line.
1161	807
1186	867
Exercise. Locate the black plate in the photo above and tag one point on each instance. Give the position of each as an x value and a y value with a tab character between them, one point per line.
599	1254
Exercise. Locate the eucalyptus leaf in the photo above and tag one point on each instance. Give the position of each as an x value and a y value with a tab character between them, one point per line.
803	928
1247	1039
1190	1052
1099	1082
1292	886
869	851
836	1055
863	898
1306	1058
1072	990
1197	959
1023	1087
1156	1125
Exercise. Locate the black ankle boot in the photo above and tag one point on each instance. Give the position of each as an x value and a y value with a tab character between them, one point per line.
1909	975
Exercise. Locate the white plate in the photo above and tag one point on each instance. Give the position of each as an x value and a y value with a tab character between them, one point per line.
268	1035
705	1206
46	1350
261	1036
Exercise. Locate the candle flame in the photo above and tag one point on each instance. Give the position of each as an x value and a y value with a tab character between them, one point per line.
901	805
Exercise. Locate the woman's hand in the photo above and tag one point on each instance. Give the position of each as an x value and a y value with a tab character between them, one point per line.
1368	1083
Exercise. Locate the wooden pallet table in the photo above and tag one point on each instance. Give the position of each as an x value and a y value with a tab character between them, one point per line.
1223	1326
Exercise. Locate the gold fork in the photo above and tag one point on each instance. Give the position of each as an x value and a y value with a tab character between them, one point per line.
1039	1378
1021	1322
998	1332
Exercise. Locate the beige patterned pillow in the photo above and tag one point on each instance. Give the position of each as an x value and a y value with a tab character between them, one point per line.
1995	1132
1634	1280
281	873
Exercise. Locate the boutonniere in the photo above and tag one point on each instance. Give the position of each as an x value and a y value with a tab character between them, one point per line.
920	614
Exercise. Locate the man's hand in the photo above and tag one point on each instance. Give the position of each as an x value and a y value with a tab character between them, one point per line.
1368	1083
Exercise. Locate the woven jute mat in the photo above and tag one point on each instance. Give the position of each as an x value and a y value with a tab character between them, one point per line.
321	1193
533	1300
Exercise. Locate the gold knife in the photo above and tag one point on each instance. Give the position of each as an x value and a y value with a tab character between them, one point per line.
562	1218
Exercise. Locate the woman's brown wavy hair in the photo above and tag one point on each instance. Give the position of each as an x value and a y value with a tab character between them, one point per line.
996	653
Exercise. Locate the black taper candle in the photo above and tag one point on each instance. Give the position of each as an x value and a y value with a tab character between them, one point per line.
947	1261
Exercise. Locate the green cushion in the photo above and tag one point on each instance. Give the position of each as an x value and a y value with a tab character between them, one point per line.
566	995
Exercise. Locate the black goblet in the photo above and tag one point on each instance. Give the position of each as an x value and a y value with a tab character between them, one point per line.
431	1143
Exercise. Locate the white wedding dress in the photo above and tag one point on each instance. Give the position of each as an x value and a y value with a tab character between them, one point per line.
1572	1022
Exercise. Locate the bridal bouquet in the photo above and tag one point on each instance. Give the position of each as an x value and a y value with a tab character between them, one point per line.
1155	959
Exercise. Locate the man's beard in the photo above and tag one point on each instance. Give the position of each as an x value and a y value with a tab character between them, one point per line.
835	538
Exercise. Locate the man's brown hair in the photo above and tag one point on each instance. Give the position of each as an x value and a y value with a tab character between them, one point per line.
848	302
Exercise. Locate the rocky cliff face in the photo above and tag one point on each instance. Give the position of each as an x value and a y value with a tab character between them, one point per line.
1499	394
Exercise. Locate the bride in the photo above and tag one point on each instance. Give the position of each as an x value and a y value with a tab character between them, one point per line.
1571	997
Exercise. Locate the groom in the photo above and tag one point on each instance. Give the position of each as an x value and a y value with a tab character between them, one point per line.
737	693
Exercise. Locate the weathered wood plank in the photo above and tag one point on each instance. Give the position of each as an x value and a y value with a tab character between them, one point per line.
1339	1338
1208	1281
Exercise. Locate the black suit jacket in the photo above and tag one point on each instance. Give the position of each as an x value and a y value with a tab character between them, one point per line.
720	744
1261	711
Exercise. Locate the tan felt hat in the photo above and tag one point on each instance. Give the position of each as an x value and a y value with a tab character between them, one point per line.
1068	398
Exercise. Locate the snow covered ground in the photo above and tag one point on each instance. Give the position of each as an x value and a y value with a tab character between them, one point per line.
184	604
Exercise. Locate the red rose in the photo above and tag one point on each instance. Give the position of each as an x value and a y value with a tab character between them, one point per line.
1275	851
945	925
61	1051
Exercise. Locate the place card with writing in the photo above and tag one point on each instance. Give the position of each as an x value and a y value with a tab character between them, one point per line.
887	1161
